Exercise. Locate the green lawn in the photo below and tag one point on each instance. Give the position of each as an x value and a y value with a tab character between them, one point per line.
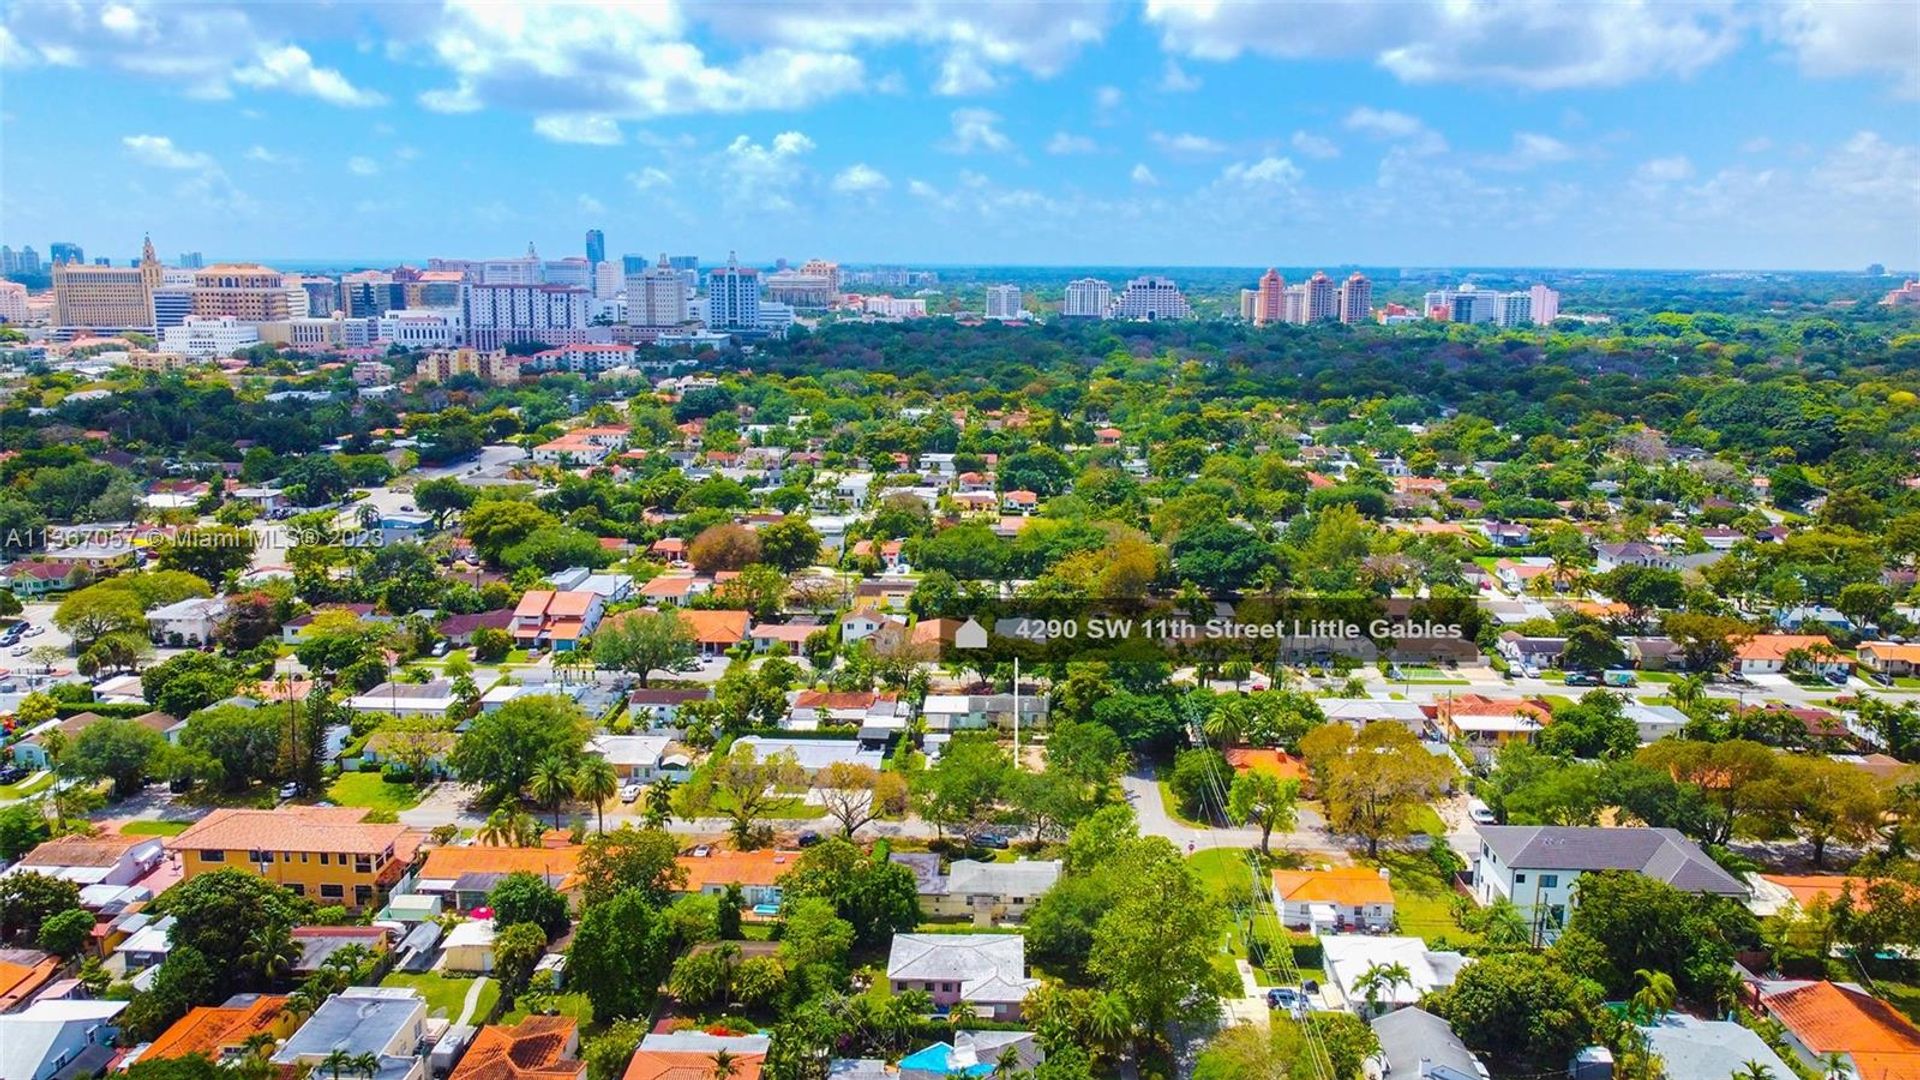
32	785
1430	676
369	790
574	1005
154	828
447	995
1427	820
1901	995
1422	897
1172	805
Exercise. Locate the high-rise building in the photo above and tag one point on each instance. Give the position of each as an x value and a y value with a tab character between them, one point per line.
500	315
825	269
1086	298
733	297
192	260
1003	302
526	270
1152	298
1293	304
607	281
27	262
434	289
13	302
62	251
245	291
323	296
1323	298
803	288
572	271
632	264
368	294
1356	299
1546	305
689	267
657	296
1270	304
1513	309
493	366
172	305
106	297
596	247
1249	304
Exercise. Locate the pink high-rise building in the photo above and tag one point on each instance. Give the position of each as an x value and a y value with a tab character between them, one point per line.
1356	299
1545	305
1323	300
1270	300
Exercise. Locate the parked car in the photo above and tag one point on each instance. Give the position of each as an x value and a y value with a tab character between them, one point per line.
1581	678
809	838
1880	677
288	791
1836	678
1480	813
990	840
20	650
629	792
440	648
34	631
1288	998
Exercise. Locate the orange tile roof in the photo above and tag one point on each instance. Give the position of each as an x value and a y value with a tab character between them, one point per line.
687	1065
1480	705
21	981
1777	646
1278	762
1827	1018
716	627
210	1028
533	603
1893	650
723	867
1806	888
448	863
534	1049
336	829
571	603
1350	885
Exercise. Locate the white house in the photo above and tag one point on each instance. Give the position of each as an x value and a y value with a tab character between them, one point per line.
636	758
468	947
186	622
67	1037
389	1022
1348	957
1535	866
110	859
987	971
988	892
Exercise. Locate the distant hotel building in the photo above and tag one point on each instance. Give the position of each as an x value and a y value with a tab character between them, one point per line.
1270	299
808	289
202	337
1537	306
493	366
1356	300
1323	298
733	297
893	307
1087	298
526	270
13	302
1152	299
1003	302
501	315
245	291
657	296
105	297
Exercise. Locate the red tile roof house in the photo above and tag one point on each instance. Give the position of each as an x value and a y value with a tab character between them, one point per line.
557	618
1020	502
458	629
30	579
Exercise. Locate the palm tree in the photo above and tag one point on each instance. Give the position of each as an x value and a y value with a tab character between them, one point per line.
271	952
367	1064
1008	1063
1655	998
960	1015
257	1044
596	782
1753	1070
1380	979
499	829
660	803
336	1062
1110	1024
552	782
723	1064
1834	1066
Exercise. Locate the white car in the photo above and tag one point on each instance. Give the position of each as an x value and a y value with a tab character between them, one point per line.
629	793
34	631
21	650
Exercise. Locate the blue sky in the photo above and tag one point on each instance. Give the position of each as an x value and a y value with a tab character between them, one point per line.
1383	132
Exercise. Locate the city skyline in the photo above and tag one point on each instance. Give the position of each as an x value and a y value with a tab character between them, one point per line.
1629	136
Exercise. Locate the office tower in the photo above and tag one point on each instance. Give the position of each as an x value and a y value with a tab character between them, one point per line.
1546	305
245	291
632	264
500	315
1323	300
573	271
367	294
657	296
1356	299
689	267
192	260
607	281
1152	298
596	247
733	296
106	297
30	261
61	251
1087	298
434	289
1270	302
1513	309
323	296
172	305
1003	302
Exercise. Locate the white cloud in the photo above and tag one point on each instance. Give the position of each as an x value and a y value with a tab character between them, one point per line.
360	165
590	206
1541	46
1175	80
159	152
1107	98
1268	171
1187	143
1400	127
586	128
1666	170
649	178
291	68
860	179
266	157
1759	144
1144	177
1830	39
762	176
1531	149
1064	143
977	129
1315	146
1872	170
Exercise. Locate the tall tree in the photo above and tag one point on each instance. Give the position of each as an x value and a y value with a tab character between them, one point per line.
1372	782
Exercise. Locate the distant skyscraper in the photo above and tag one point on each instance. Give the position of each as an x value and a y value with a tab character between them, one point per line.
1513	309
1270	301
1293	308
1003	302
526	270
61	251
733	296
1546	305
657	297
500	315
1087	298
1249	304
172	304
1356	300
689	267
30	261
632	264
1323	300
192	260
106	297
596	247
1152	298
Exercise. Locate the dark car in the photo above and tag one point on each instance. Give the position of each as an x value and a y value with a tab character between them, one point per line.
991	840
1582	678
808	839
1836	678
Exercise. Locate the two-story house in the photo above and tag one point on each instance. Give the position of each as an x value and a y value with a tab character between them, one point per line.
556	618
327	854
1535	866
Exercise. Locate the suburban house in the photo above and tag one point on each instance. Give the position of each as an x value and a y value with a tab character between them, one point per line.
1348	957
1654	722
1333	899
435	698
295	629
1889	658
661	704
106	859
613	588
971	1053
59	1038
674	589
389	1022
27	580
635	758
711	869
1766	654
1695	1049
966	712
1487	724
459	629
468	947
23	974
667	1060
327	854
1631	553
864	622
808	710
793	635
988	892
463	874
716	632
1537	653
987	971
537	1048
1417	1045
1360	712
220	1031
1822	1018
187	622
557	618
815	754
583	446
1535	866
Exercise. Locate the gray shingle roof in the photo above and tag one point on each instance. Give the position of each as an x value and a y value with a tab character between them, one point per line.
1412	1035
1661	854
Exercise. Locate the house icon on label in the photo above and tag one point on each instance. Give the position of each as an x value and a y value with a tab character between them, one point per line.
970	635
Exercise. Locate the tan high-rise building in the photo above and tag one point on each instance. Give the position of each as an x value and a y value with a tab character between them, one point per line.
1323	298
1270	300
1356	300
248	292
107	297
